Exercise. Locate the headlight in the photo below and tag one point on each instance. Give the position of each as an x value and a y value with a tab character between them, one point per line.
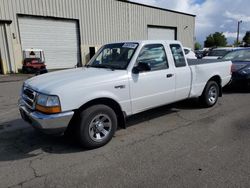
48	104
42	99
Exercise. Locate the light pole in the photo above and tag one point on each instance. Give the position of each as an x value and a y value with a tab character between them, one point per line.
238	32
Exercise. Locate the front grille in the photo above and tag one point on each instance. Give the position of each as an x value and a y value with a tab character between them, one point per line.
29	97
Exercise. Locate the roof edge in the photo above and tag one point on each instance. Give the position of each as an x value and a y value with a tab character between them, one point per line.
159	8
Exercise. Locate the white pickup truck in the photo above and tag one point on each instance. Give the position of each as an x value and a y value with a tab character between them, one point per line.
122	79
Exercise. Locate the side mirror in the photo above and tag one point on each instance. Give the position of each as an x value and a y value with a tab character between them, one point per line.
141	67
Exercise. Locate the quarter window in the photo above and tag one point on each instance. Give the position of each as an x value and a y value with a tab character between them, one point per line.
178	55
154	55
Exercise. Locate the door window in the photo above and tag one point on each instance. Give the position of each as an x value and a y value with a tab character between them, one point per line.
154	55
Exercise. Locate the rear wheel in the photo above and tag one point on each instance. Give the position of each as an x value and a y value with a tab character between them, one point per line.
97	126
210	94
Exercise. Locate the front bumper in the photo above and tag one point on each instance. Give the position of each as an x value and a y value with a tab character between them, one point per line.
48	123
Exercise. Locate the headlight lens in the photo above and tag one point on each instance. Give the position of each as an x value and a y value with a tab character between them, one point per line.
53	101
48	104
42	99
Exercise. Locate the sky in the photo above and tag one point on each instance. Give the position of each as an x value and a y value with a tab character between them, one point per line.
211	15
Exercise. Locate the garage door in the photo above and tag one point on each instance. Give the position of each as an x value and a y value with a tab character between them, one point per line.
160	33
58	38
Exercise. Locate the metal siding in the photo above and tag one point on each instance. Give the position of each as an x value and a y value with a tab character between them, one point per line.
101	21
1	9
106	20
3	48
10	48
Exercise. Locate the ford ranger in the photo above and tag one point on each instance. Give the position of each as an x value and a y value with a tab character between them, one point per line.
122	79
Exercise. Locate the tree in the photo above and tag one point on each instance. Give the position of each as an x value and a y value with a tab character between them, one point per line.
197	46
246	38
209	42
216	39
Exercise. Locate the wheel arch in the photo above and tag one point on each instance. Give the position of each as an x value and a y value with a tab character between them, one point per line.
121	116
218	80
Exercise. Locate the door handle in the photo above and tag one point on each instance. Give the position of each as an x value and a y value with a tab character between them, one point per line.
169	75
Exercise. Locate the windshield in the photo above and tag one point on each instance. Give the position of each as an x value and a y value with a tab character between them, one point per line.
239	55
114	56
32	54
217	52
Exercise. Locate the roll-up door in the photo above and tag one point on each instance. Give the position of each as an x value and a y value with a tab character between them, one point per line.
58	38
161	33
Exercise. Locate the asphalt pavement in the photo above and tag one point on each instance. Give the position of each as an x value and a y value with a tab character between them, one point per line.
178	145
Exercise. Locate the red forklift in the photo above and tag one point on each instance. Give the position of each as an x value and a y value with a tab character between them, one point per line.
34	61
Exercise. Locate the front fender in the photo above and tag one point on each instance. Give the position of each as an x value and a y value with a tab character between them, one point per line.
74	100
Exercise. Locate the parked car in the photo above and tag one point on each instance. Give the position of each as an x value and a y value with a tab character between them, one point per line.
199	54
189	53
241	67
216	53
34	61
121	79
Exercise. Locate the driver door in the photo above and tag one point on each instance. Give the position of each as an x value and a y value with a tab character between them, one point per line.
154	87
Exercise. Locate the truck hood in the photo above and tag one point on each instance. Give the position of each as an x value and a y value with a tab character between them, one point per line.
50	83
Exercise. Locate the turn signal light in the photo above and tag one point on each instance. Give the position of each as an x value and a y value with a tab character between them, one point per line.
48	110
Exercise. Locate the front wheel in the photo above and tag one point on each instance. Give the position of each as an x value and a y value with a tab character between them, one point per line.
24	70
210	94
97	126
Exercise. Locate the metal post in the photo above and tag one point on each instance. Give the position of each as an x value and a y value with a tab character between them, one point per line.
238	32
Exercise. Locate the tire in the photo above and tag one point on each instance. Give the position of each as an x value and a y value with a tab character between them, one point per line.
28	70
24	71
97	126
210	94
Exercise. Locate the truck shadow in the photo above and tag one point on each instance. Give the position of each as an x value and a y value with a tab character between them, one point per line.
235	90
25	142
162	111
149	115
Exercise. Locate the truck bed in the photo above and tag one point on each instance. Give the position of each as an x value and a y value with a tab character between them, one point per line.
204	69
203	61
